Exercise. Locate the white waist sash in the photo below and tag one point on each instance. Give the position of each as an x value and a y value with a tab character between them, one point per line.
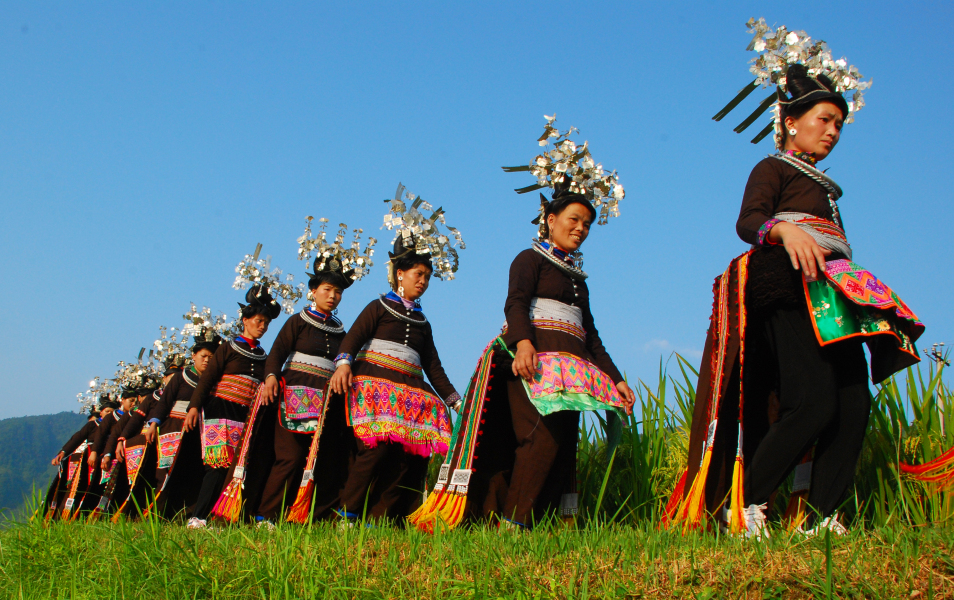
394	350
545	309
181	407
315	361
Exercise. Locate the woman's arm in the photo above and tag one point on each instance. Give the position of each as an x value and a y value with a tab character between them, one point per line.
210	377
360	333
431	363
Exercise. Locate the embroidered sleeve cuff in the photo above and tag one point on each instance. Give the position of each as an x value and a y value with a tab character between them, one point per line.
155	420
343	359
454	401
764	231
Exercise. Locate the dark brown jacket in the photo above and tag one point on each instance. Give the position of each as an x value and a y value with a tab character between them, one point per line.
376	322
532	275
176	390
297	335
85	434
228	361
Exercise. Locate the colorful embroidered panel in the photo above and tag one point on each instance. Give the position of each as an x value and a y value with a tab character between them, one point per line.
220	438
134	457
106	475
566	382
301	408
390	362
237	389
864	289
71	469
382	411
168	446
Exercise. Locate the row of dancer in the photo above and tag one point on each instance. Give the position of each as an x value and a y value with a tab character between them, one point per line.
349	414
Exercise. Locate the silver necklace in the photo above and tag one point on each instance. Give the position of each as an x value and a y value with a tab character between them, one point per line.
400	316
245	352
329	328
572	271
833	189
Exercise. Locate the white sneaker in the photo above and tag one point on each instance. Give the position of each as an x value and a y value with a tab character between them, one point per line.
259	524
755	522
828	523
195	523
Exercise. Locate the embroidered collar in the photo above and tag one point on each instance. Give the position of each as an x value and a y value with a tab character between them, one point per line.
399	316
806	157
191	376
414	305
256	353
559	253
253	344
316	313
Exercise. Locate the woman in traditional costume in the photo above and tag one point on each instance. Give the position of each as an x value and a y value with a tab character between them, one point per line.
229	384
179	471
297	371
398	419
789	316
548	365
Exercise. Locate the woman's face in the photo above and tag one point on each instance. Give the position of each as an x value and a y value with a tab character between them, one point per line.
414	281
326	297
106	411
201	359
568	230
255	327
128	403
817	131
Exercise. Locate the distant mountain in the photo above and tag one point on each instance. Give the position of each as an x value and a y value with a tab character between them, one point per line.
27	445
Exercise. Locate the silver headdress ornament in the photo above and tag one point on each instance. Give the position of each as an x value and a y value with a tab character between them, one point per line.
139	375
253	270
97	389
171	349
565	159
203	325
350	260
420	234
778	50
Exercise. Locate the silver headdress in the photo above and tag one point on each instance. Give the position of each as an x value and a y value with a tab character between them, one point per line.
566	163
98	389
350	261
171	350
139	375
202	325
254	271
778	50
420	234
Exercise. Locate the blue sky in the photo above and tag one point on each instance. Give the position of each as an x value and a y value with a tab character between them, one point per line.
146	147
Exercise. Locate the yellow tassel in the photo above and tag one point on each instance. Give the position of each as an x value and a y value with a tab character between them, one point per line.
452	512
423	517
118	513
736	499
229	504
300	510
690	512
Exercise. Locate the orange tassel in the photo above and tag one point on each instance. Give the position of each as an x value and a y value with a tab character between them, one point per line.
301	509
675	499
737	498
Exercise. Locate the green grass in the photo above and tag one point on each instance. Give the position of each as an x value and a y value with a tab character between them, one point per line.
900	544
166	561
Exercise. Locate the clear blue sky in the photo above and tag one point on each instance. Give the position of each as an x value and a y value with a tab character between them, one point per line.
145	147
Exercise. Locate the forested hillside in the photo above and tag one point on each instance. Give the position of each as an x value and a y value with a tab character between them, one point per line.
27	444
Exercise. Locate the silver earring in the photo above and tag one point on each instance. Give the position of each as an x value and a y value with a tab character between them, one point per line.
792	132
401	291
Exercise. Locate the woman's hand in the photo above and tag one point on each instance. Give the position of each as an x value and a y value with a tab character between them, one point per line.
802	248
106	463
91	460
150	433
341	380
191	420
57	458
271	389
629	397
525	361
121	450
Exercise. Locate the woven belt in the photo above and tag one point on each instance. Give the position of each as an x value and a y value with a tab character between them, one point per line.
826	234
392	355
180	409
307	363
239	389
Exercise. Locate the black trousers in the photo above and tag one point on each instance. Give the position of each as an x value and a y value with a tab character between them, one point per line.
212	484
823	400
545	459
386	479
291	454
